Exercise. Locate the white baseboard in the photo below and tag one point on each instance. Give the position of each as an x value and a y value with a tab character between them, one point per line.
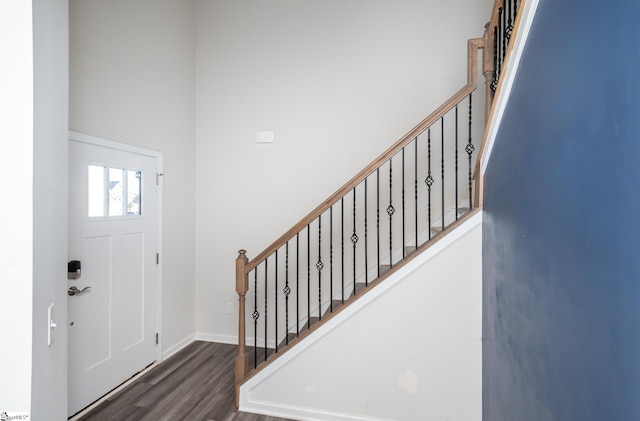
273	409
220	339
233	340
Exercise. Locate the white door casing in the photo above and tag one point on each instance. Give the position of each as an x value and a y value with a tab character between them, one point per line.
113	324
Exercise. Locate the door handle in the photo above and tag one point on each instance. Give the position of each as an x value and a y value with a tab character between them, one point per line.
75	291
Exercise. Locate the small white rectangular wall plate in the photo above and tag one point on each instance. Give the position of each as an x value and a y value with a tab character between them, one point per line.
265	137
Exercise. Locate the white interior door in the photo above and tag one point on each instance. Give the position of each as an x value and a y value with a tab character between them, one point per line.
112	232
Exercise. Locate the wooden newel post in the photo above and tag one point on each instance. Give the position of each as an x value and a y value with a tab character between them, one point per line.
242	286
487	69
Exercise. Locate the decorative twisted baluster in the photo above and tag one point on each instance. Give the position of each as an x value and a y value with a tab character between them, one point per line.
509	29
354	240
256	316
469	149
429	181
390	211
286	292
319	266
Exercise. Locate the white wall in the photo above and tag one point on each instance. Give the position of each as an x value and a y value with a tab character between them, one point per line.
33	163
16	210
132	80
422	363
338	81
50	52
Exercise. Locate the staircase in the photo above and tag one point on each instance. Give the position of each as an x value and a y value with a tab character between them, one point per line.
409	198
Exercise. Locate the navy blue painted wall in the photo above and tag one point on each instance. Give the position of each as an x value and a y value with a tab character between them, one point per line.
561	268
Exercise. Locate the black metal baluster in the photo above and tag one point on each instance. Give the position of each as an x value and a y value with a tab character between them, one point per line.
456	167
494	82
354	240
266	261
390	212
429	181
286	291
442	165
509	29
378	218
501	39
331	257
415	187
275	317
297	284
366	248
403	212
319	266
505	37
469	149
499	46
256	316
308	277
342	245
503	19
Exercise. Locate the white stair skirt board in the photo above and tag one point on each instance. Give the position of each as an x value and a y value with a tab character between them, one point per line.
248	404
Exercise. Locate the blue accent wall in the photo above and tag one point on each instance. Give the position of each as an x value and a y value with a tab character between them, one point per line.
561	269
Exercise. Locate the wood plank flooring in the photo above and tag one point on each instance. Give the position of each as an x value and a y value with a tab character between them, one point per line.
195	384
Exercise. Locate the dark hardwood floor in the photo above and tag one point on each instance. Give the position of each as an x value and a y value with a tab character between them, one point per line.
194	384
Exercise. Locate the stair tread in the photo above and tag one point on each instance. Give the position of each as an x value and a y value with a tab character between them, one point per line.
408	250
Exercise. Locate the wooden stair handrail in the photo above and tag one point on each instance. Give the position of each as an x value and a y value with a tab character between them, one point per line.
472	83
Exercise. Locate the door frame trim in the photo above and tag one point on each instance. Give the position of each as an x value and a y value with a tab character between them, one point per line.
124	147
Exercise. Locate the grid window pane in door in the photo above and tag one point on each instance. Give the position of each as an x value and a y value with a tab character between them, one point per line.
116	191
96	190
134	183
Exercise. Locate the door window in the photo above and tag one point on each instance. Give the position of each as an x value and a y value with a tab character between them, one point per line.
114	192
